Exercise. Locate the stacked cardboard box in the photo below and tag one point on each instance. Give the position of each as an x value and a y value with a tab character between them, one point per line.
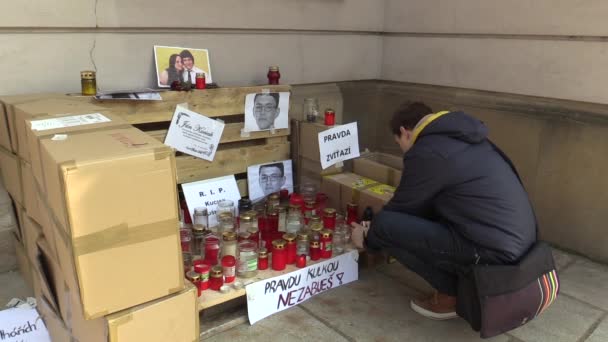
344	188
308	158
97	207
381	167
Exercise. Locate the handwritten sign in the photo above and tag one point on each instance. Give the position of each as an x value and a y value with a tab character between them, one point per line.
194	134
17	325
208	193
339	144
273	295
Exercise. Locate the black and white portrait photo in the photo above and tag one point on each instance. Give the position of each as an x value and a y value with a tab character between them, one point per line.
266	179
265	111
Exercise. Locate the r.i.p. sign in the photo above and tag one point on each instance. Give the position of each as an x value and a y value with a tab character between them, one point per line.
338	144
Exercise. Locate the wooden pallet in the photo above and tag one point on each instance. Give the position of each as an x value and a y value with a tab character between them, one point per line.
235	152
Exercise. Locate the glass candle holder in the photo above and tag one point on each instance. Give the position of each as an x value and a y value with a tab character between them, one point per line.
282	218
212	249
279	255
351	213
303	244
88	83
198	241
226	222
311	109
229	243
315	250
326	244
245	222
339	241
273	201
290	247
248	259
263	259
330	117
229	268
203	270
216	278
225	206
329	218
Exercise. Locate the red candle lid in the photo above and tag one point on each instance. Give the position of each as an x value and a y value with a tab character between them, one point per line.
201	268
296	199
228	260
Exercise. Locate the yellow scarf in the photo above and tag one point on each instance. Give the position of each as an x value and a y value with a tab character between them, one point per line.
426	122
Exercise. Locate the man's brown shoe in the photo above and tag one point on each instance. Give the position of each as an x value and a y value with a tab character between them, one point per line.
438	306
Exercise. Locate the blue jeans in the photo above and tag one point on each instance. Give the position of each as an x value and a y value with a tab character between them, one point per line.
432	250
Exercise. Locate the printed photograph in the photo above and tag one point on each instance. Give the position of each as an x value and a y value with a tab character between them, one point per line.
265	111
180	64
264	179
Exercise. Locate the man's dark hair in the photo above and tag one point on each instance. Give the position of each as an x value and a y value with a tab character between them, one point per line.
279	165
408	115
274	95
186	54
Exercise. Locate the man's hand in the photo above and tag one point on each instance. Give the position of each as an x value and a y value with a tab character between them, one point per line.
359	232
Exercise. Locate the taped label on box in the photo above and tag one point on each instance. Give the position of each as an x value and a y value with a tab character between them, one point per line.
69	121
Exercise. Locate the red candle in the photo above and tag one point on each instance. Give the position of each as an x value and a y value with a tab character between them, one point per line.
216	278
351	213
263	259
330	117
212	249
326	244
200	81
254	235
273	221
279	255
203	270
321	200
273	75
315	250
195	279
290	247
229	268
301	261
329	218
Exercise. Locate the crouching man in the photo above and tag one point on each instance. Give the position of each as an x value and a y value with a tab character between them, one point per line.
459	202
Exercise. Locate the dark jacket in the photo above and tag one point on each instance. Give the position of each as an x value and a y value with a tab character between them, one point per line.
453	174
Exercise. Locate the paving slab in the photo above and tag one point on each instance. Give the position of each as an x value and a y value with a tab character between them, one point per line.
293	324
405	276
563	259
12	285
586	281
600	334
566	320
376	308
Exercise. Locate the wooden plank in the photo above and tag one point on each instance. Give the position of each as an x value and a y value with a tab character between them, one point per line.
228	162
210	102
232	133
210	298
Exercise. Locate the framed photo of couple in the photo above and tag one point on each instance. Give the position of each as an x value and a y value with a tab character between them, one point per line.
180	64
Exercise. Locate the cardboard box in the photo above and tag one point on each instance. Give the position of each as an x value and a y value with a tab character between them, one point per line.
11	174
112	196
54	324
25	267
50	277
309	140
7	103
381	167
43	107
30	193
347	187
31	233
48	126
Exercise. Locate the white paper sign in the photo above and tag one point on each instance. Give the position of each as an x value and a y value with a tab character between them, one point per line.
22	325
339	144
208	193
194	134
273	295
68	121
